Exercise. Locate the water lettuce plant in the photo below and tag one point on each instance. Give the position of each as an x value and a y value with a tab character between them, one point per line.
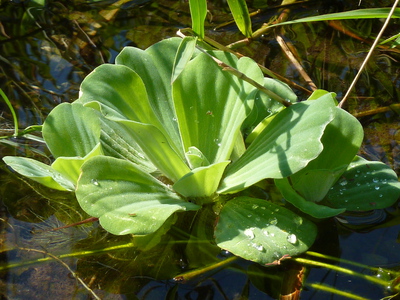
166	130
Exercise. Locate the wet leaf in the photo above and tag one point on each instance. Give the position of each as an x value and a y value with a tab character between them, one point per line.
261	231
365	185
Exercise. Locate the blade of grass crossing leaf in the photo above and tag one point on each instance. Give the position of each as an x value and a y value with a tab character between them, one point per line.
241	15
198	11
182	57
14	115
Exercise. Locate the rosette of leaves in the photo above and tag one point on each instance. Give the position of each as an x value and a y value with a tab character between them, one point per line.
161	132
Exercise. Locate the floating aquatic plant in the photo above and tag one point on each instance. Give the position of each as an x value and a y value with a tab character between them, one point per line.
165	130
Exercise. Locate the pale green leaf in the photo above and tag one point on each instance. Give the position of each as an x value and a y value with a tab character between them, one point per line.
39	172
211	104
71	166
289	142
125	199
71	130
157	149
154	65
183	55
201	182
196	158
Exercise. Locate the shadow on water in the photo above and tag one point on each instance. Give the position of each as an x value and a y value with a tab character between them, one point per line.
46	51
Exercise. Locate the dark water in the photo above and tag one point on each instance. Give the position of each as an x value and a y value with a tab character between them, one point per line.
47	50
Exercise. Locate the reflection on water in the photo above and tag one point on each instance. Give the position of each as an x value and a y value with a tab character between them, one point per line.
46	51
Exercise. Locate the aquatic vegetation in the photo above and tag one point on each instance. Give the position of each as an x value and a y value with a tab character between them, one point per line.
166	130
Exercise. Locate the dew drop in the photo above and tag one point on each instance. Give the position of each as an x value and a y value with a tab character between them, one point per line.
249	233
258	247
265	233
292	238
384	181
273	221
174	119
255	206
375	180
380	195
377	187
249	215
95	182
343	182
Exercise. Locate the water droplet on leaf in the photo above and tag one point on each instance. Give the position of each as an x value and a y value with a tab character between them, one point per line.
249	233
292	238
95	182
273	221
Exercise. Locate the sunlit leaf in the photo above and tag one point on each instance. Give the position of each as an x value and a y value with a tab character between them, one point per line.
125	199
241	15
289	142
78	128
157	149
261	231
198	12
367	13
211	104
71	166
154	65
202	181
183	56
342	140
39	172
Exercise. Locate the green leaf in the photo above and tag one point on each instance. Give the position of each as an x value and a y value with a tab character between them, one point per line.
157	149
196	158
71	166
289	142
154	65
265	107
367	13
198	12
71	130
364	186
313	209
342	140
119	141
241	15
211	104
39	172
201	182
261	231
125	199
183	55
120	92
